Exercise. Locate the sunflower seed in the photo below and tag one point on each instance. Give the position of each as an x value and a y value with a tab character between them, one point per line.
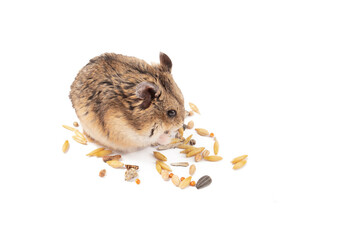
203	182
168	146
180	164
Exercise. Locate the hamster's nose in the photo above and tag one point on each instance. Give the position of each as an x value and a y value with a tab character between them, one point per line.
166	132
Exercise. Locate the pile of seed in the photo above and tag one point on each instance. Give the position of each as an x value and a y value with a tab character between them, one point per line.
187	146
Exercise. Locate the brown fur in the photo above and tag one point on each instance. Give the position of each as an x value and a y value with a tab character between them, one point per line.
122	101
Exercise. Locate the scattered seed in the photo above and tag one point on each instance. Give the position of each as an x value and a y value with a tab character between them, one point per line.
194	108
76	124
182	178
195	151
102	173
103	153
158	168
212	135
137	181
65	146
128	166
198	157
185	183
165	175
202	131
192	169
80	135
180	164
192	183
115	164
164	166
68	127
192	142
213	158
171	175
184	146
175	180
181	131
168	146
113	157
175	140
130	174
190	124
188	139
205	153
216	147
160	156
188	150
92	153
239	164
203	182
79	140
239	159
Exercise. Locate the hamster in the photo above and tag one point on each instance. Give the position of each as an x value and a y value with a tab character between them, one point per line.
125	104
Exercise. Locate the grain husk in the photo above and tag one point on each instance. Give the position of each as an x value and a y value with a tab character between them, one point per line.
239	165
216	147
195	151
115	164
185	183
194	107
164	165
160	156
239	159
113	157
103	153
213	158
202	131
65	146
79	140
95	151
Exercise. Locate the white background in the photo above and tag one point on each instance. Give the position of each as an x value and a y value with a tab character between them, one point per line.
277	80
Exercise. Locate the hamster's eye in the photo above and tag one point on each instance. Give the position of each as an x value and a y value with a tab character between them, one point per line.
171	113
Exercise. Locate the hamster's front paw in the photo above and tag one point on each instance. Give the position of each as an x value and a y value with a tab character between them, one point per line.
164	139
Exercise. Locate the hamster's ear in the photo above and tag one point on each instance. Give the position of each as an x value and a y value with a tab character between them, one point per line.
146	91
165	62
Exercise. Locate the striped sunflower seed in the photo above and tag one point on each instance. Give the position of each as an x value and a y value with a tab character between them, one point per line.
203	182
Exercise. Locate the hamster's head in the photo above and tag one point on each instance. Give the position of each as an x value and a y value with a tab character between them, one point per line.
162	110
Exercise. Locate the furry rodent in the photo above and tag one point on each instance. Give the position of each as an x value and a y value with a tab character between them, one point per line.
126	104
